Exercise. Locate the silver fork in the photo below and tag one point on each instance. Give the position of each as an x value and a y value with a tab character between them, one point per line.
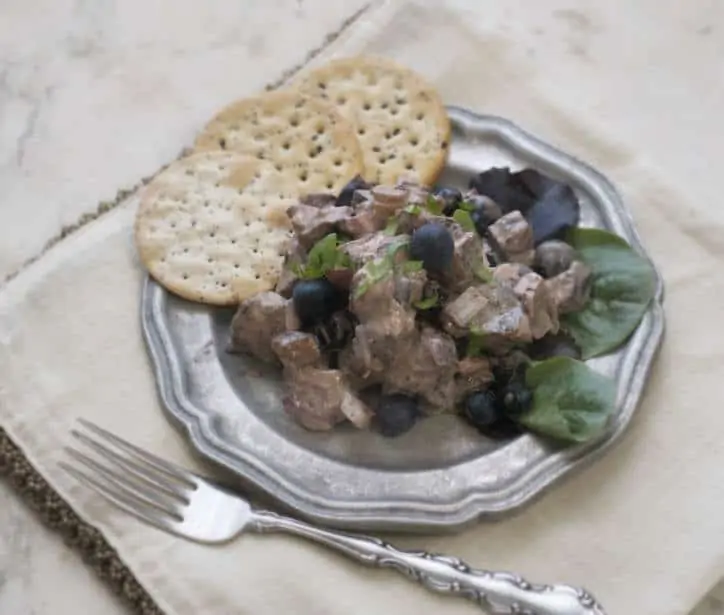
188	505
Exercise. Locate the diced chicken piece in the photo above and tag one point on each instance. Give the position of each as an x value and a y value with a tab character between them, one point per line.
490	310
571	289
363	221
388	200
510	273
409	287
512	238
538	303
378	307
291	318
357	361
315	397
311	224
319	200
425	367
473	374
357	412
296	349
362	250
294	258
257	320
468	262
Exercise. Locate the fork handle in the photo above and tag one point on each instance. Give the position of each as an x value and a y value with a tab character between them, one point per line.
499	592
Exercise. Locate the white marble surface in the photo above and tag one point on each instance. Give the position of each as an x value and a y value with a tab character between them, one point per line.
93	95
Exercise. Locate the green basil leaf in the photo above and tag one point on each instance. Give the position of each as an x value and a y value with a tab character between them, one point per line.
622	287
483	273
464	219
428	302
412	209
324	256
393	224
476	345
434	206
412	266
571	402
467	206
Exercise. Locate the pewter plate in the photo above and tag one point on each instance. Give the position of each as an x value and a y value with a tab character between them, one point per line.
442	474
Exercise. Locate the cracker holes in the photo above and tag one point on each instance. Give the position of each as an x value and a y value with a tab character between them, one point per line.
322	85
384	105
278	167
330	185
286	145
315	151
376	149
184	276
337	162
303	176
420	116
294	121
414	141
222	143
341	100
320	129
367	106
409	166
401	101
237	265
361	130
257	276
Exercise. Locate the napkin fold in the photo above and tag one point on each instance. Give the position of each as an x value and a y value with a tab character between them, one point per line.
643	527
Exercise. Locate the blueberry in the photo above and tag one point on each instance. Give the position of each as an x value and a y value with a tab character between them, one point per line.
345	196
515	398
315	300
396	414
484	212
504	187
482	410
450	197
433	244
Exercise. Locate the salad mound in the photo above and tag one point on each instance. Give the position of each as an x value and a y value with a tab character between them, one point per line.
398	302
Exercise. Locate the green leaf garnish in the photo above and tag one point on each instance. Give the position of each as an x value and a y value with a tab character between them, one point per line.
476	344
412	209
483	273
434	206
427	302
412	266
622	287
467	206
383	267
324	256
464	219
393	224
571	402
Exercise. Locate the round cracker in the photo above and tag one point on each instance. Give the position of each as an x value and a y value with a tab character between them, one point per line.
300	135
400	119
213	228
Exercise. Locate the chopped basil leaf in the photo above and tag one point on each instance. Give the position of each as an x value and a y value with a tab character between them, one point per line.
391	228
434	206
464	219
466	206
413	210
571	401
623	283
428	302
412	266
324	256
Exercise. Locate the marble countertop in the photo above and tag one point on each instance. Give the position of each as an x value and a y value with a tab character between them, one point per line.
74	76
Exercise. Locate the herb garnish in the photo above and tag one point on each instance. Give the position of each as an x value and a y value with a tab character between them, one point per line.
324	256
623	283
571	401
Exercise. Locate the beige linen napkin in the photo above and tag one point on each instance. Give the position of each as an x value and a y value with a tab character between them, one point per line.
643	527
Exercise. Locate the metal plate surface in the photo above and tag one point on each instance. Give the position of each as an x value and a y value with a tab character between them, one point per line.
442	474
